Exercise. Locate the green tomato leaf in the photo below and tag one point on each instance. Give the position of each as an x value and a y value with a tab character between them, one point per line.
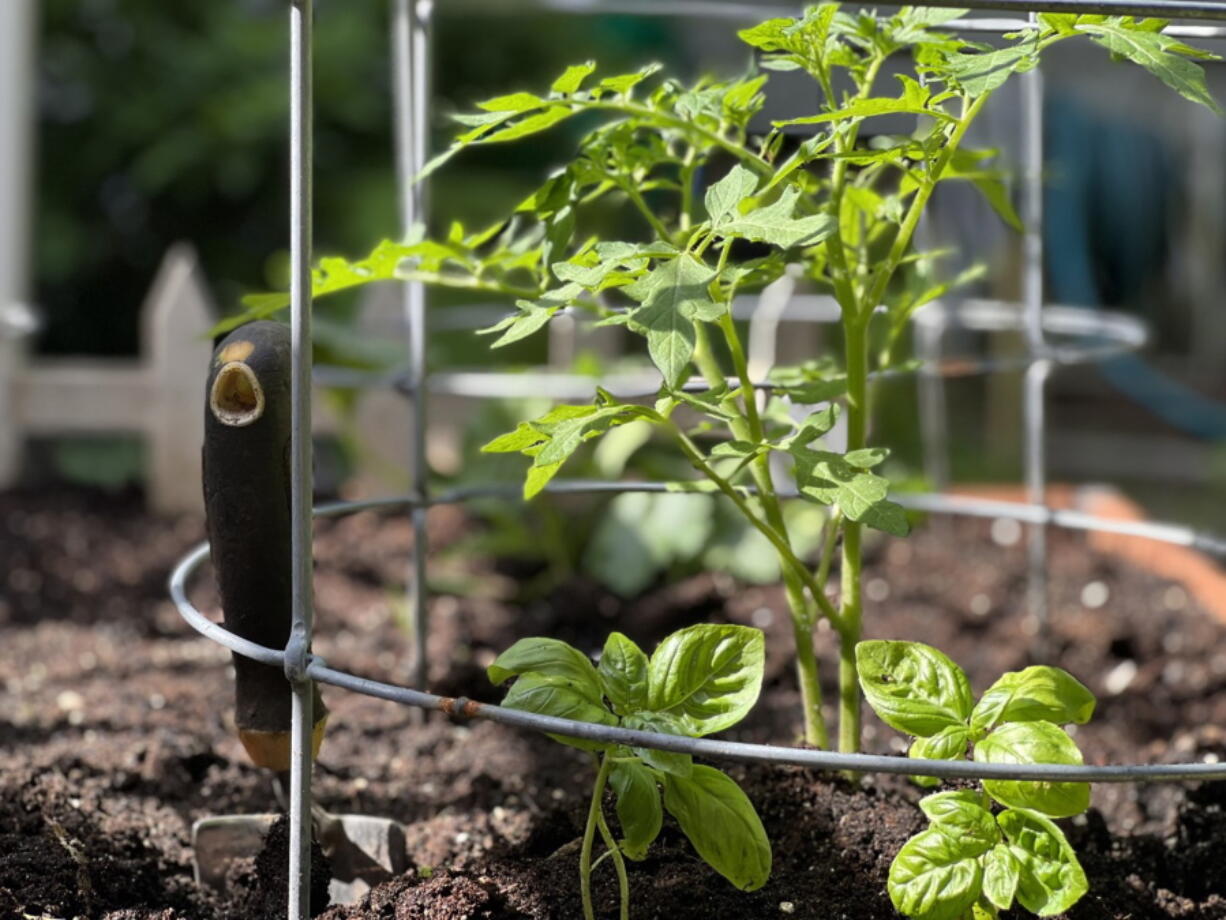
933	878
775	224
665	761
1162	55
623	673
724	197
573	78
554	695
962	815
829	479
1034	694
913	687
721	825
707	677
638	807
1034	742
674	295
1001	871
1050	879
867	108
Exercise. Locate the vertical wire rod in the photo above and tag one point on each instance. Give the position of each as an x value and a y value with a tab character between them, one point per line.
410	49
300	460
1034	436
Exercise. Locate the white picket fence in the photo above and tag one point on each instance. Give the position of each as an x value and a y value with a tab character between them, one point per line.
160	396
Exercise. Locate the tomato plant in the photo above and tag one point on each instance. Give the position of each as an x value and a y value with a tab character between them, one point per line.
724	209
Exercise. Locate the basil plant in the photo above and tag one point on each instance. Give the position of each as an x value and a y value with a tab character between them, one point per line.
699	680
984	848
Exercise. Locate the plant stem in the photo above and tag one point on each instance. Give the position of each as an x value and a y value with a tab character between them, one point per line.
856	351
803	619
619	864
633	194
589	833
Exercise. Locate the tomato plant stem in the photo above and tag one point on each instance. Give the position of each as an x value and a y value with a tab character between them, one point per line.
855	347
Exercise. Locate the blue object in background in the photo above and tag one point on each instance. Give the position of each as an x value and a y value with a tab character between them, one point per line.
1102	246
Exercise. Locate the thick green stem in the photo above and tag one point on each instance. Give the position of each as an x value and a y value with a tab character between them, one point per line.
855	346
803	619
619	864
589	833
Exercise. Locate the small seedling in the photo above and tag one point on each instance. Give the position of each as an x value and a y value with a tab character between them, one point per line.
699	680
970	863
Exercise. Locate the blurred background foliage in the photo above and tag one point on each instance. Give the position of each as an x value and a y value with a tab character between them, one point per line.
166	121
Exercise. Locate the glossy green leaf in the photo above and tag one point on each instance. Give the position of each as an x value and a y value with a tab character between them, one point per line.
707	677
932	878
949	743
962	815
721	825
1034	742
623	673
1050	879
1001	871
1034	694
913	687
638	807
555	695
671	762
546	656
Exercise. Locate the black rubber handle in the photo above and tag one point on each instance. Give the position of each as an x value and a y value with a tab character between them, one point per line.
247	499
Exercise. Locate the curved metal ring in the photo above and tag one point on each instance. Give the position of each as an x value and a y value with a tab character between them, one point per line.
318	670
1104	334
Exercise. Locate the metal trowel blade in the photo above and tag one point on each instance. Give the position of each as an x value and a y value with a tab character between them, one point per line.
362	849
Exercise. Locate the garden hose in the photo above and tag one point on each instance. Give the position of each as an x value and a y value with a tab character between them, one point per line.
247	500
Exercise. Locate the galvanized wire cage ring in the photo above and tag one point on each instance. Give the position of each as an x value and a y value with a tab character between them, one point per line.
317	669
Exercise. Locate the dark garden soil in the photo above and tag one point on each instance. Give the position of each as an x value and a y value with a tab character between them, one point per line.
114	729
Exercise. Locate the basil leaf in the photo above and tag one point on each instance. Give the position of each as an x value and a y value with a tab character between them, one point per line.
638	807
913	687
932	878
947	744
721	824
1034	742
547	656
706	677
665	761
1050	879
1001	871
554	695
962	815
623	673
1035	694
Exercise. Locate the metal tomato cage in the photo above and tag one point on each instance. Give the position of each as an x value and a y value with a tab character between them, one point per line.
1095	336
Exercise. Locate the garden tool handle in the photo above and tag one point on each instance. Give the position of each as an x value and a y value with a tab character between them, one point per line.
247	501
